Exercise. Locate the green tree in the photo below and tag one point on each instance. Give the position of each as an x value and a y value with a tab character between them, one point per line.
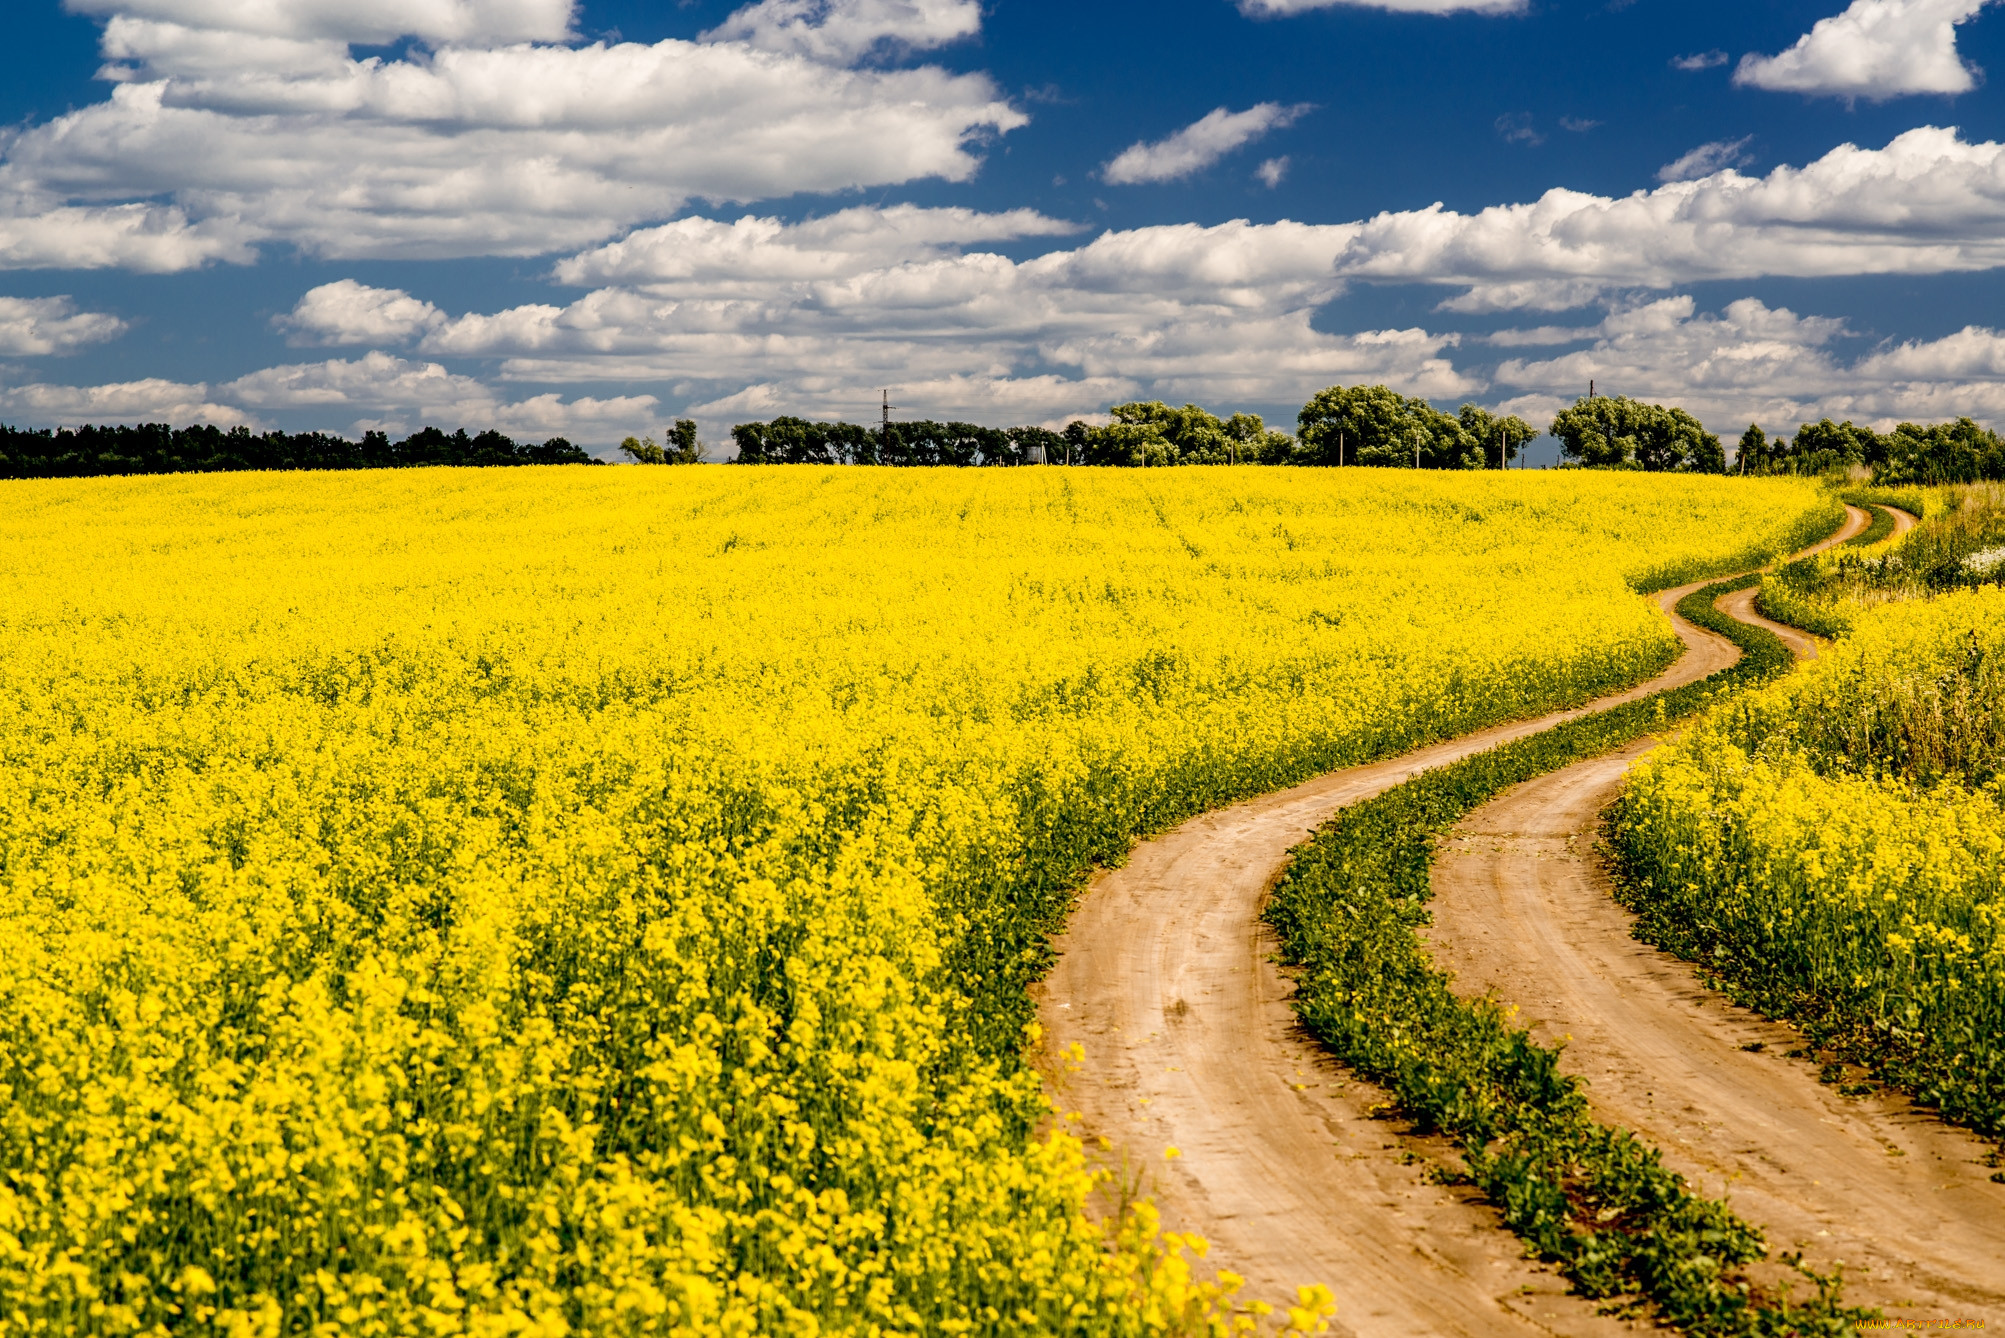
643	451
1959	452
1616	432
1128	444
1255	443
1825	445
1491	433
1374	425
1751	456
683	448
1677	440
1191	435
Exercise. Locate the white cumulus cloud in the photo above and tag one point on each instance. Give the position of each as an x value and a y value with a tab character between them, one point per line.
37	325
1927	203
1198	145
1876	49
757	317
40	234
746	256
153	400
845	30
347	312
375	391
1751	362
234	123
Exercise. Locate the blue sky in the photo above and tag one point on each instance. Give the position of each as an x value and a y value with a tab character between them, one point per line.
589	219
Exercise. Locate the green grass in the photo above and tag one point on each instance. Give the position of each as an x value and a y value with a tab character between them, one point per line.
1879	531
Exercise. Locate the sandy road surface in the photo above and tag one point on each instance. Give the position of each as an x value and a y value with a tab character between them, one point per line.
1165	977
1522	907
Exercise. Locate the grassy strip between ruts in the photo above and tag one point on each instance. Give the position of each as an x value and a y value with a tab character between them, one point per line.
1914	501
1881	529
1593	1200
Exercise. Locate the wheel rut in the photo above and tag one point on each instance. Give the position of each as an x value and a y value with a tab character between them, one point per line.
1901	1202
1284	1161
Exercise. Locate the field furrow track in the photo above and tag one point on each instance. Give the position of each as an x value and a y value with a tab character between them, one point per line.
1166	979
1522	907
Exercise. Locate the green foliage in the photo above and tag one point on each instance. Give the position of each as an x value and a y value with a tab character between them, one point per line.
1152	433
1751	456
1959	452
1372	425
1503	437
156	448
1138	444
682	449
1910	455
1824	445
1914	501
1616	432
1594	1201
1147	433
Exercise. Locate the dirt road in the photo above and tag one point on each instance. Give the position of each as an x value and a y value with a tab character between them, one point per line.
1165	978
1740	604
1522	907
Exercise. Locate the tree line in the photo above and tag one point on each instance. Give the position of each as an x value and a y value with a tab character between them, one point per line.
156	448
1341	425
1364	425
1958	452
1377	426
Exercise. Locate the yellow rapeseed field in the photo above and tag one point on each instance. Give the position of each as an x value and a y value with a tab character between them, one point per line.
602	901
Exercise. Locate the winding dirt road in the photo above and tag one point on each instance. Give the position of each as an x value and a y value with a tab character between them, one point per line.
1904	1203
1166	979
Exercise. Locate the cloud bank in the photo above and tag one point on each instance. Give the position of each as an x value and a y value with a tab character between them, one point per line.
1927	203
254	123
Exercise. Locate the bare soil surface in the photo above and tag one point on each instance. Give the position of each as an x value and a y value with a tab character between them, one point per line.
1900	1201
1166	980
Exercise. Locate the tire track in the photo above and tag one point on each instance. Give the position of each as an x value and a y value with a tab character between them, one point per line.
1900	1201
1166	978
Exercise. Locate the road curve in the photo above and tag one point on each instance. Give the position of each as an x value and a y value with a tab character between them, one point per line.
1165	977
1903	1202
1740	604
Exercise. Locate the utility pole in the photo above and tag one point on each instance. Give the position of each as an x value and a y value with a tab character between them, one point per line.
1340	448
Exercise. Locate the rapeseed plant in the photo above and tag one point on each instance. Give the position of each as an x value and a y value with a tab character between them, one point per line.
554	901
